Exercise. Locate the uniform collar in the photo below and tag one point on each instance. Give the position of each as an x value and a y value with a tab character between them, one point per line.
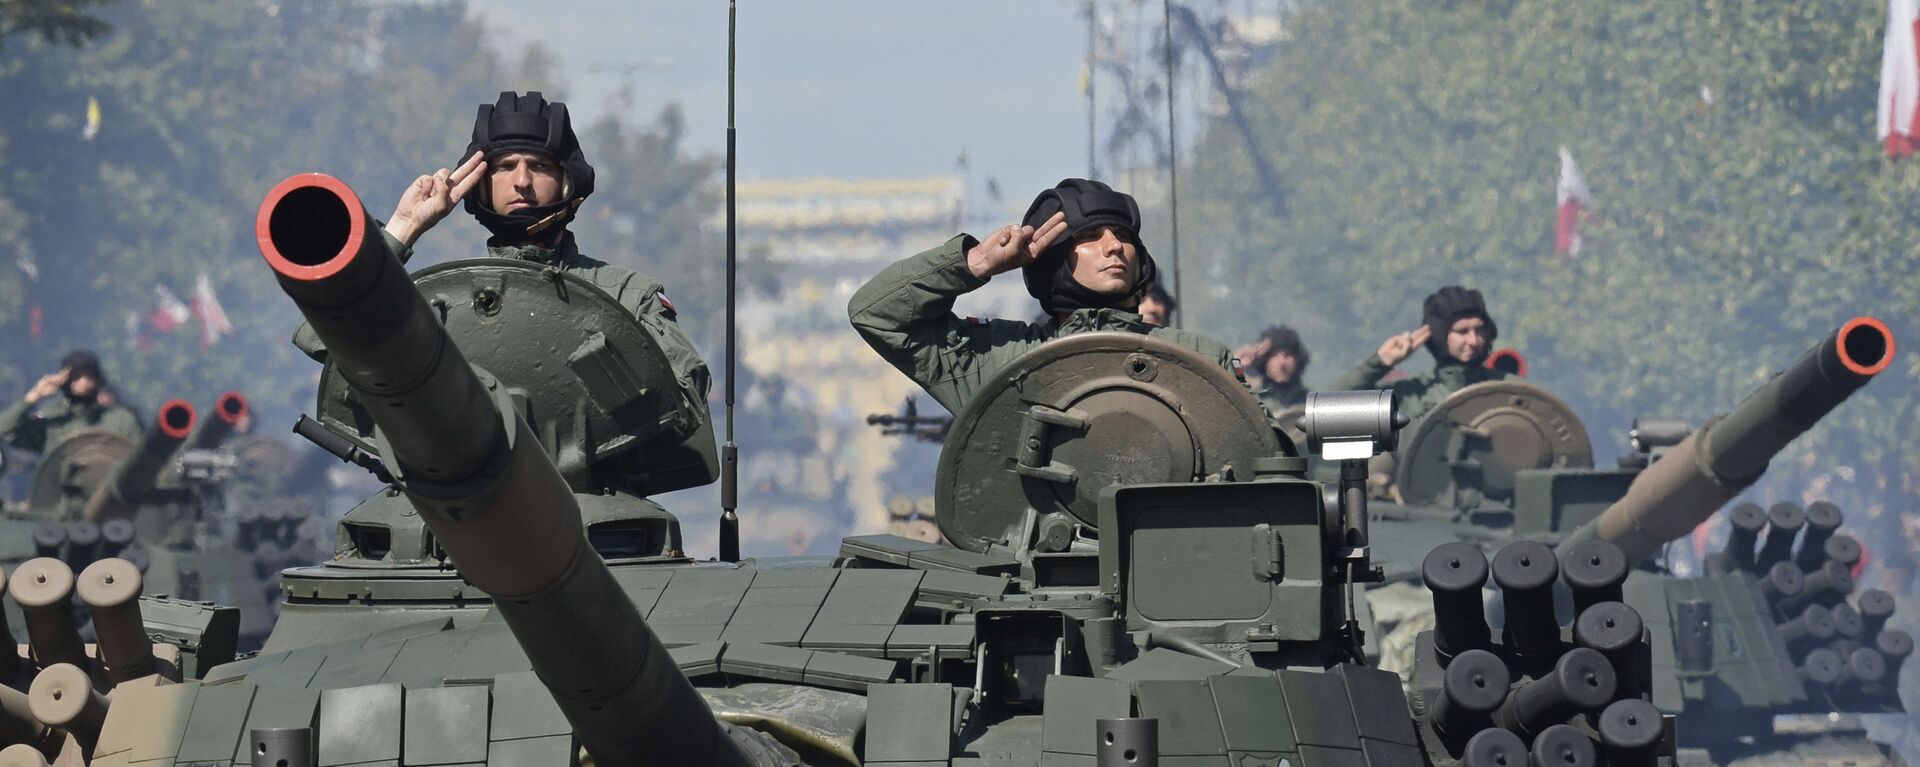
1089	320
558	255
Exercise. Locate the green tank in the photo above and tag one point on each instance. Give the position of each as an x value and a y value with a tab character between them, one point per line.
1752	635
1140	572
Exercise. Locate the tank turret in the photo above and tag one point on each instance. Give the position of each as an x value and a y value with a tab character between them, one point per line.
491	496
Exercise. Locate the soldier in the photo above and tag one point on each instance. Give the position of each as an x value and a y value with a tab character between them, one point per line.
1279	360
1157	308
87	407
1456	330
527	176
1080	252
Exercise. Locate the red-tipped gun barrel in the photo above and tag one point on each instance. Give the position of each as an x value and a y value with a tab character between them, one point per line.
1712	465
229	411
483	484
119	496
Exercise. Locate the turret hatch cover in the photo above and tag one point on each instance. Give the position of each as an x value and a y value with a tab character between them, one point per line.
1498	427
1060	424
590	378
71	472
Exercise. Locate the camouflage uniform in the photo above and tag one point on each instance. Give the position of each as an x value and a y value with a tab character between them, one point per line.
641	295
25	429
1417	394
906	314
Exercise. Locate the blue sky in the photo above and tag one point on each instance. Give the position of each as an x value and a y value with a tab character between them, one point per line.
849	88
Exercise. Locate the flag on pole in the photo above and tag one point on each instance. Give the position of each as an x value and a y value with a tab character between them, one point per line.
213	317
1900	78
1574	197
168	310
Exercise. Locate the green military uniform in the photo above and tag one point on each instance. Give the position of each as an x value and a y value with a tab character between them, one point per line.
1417	394
25	429
1278	398
641	295
906	314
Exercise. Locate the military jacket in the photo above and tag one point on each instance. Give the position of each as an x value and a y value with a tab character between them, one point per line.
26	429
906	314
640	295
1278	398
1417	394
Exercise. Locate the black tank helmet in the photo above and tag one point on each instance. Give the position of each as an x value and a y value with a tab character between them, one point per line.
529	123
1449	305
1088	205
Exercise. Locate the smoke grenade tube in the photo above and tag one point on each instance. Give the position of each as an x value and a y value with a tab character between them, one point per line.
1745	522
1581	681
1613	629
1875	608
1494	748
43	587
1594	572
1823	520
1564	744
1525	571
1784	521
111	589
483	485
1630	732
1454	573
1473	687
1710	466
64	698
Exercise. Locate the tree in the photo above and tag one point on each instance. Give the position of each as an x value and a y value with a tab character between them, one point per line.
1743	208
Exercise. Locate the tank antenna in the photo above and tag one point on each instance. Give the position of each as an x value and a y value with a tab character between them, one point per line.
729	452
1173	162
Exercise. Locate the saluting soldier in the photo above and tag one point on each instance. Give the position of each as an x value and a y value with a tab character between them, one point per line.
1079	250
524	178
1457	330
84	405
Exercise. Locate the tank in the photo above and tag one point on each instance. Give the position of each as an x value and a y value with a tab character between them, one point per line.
1138	571
1751	637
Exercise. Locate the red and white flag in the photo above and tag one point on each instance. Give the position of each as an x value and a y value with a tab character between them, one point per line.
168	311
213	318
1573	197
1900	78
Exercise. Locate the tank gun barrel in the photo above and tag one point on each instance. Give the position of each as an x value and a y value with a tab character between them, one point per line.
120	495
229	410
1713	464
483	484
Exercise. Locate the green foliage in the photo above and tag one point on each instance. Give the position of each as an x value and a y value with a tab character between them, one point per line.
61	21
1418	142
206	105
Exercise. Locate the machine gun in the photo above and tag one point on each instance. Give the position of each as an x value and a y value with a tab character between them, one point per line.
910	423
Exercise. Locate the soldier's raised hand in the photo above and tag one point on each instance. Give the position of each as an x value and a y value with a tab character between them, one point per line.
1399	345
431	197
49	385
1011	247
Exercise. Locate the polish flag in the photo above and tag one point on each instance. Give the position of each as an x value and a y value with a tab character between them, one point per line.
168	311
1900	78
1573	197
213	317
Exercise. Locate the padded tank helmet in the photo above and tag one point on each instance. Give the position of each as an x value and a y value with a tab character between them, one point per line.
1088	205
529	123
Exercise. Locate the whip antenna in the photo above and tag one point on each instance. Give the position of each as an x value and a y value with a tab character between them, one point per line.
729	452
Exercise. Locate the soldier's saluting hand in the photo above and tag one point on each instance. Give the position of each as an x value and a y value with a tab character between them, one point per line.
1399	345
1014	246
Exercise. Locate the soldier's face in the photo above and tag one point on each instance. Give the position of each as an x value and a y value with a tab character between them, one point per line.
1153	312
523	180
1105	261
82	387
1467	339
1280	367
